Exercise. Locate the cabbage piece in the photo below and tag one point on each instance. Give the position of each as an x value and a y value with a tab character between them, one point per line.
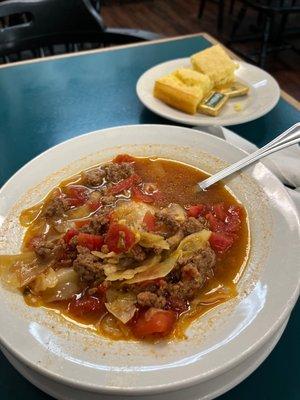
62	226
121	304
175	239
159	270
20	269
67	285
131	272
7	261
177	212
109	269
45	280
153	241
79	212
194	242
99	254
132	213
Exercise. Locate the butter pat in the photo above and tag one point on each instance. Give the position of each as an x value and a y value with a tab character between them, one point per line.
213	103
235	90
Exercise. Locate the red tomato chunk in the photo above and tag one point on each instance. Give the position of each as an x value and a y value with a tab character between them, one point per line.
93	205
220	242
86	305
92	242
154	322
121	158
196	210
70	234
119	238
138	195
149	221
76	195
125	184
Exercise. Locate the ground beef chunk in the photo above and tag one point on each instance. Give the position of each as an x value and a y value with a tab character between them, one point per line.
189	272
93	177
175	239
117	172
168	219
182	284
193	225
204	260
138	253
49	250
183	290
149	299
97	226
56	208
107	199
88	267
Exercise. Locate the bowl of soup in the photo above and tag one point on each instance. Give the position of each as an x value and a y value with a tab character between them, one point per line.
125	278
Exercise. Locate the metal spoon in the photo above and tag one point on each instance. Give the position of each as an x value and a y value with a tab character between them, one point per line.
287	138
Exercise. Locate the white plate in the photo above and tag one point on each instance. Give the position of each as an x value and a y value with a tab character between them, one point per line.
263	96
222	339
204	391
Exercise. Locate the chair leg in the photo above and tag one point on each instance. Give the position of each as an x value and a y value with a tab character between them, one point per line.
265	42
237	22
282	26
231	7
201	8
220	16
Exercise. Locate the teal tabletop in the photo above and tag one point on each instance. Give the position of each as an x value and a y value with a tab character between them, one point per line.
46	102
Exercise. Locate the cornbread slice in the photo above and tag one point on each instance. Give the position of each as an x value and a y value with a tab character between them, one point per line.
194	78
183	89
216	63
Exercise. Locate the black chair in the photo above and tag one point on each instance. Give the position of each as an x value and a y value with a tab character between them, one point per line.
37	28
268	11
221	8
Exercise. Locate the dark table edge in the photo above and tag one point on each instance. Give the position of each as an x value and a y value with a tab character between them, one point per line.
288	98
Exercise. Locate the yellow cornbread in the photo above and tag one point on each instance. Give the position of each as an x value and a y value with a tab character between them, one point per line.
215	63
183	89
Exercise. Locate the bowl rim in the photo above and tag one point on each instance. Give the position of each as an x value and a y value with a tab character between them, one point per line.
179	384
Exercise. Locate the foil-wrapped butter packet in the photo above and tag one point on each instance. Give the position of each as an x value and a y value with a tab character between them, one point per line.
213	103
236	89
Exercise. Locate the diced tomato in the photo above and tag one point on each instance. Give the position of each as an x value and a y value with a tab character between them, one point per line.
124	184
76	195
82	222
149	221
233	224
196	210
220	242
237	210
123	158
86	305
92	242
219	211
138	195
154	322
93	204
119	238
233	219
70	234
215	224
102	288
178	304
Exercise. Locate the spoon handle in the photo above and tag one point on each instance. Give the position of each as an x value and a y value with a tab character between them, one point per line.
287	138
